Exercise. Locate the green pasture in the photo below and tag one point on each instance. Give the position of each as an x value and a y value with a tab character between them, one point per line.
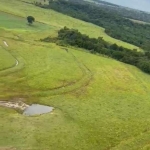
100	103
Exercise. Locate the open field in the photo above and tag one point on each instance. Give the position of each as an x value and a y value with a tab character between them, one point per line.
100	103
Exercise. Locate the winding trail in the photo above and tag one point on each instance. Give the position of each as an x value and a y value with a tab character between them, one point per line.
17	62
5	43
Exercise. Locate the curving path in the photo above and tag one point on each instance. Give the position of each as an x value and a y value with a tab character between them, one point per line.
17	62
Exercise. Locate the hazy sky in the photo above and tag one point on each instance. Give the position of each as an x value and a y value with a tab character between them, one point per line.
137	4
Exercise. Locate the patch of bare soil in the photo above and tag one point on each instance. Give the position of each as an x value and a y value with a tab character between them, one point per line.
14	105
7	148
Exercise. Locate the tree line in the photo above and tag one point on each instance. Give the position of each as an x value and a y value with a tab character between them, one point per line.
116	25
75	38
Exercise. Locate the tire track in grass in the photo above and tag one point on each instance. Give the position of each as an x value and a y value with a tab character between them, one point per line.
85	70
17	62
14	65
74	86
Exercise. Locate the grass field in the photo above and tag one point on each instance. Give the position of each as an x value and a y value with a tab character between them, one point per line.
100	103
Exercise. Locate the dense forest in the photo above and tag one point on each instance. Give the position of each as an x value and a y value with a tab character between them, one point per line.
115	25
75	38
124	11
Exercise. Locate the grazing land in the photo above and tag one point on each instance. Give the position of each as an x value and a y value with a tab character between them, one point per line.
100	103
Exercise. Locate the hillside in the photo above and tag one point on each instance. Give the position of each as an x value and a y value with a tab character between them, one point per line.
100	103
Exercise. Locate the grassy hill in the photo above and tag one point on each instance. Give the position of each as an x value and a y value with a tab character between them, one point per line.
99	103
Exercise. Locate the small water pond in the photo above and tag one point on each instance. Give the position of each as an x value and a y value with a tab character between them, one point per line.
36	109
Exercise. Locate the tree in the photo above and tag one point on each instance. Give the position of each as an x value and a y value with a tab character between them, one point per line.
144	65
114	47
30	19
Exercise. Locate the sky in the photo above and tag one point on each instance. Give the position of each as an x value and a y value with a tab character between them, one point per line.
136	4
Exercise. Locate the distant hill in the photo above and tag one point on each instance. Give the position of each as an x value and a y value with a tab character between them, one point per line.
124	11
102	2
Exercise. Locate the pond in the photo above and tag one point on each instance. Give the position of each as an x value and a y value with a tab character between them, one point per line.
36	109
